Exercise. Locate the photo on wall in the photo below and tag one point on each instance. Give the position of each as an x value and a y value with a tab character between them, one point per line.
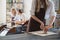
14	15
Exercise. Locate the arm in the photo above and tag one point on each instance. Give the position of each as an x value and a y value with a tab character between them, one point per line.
39	21
33	11
52	15
35	18
21	21
17	22
24	19
51	22
52	18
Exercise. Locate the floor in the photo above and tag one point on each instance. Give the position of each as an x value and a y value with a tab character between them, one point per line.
29	36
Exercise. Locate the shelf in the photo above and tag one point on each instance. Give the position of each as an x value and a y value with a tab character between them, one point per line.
14	2
11	3
57	21
58	11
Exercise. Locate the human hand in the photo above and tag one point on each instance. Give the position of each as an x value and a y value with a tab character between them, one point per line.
46	28
42	25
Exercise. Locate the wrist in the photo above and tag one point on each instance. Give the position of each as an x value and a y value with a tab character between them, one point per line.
50	24
41	22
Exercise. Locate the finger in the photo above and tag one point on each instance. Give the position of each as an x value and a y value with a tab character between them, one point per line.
41	27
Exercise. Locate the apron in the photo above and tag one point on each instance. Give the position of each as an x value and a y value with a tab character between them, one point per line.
34	25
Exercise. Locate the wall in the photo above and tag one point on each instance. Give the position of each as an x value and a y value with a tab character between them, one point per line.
59	3
27	7
2	11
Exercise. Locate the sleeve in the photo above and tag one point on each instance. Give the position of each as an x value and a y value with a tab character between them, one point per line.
15	18
53	13
32	11
23	16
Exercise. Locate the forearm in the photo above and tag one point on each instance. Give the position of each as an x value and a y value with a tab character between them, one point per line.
35	18
23	22
20	22
50	24
52	20
17	22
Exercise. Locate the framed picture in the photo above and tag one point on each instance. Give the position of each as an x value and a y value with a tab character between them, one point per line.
17	4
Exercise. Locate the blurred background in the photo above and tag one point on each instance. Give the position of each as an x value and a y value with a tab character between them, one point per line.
25	6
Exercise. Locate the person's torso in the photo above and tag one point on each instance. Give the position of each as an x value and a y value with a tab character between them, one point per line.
40	14
19	17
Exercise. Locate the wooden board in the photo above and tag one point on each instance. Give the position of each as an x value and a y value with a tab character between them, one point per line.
40	33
